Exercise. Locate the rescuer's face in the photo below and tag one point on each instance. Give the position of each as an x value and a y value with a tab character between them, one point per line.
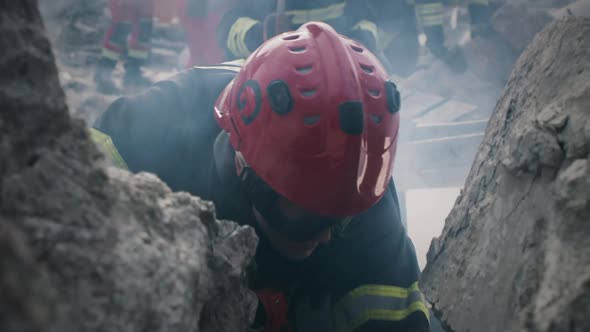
298	232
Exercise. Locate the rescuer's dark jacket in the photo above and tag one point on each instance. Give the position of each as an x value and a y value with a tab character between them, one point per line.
241	29
365	279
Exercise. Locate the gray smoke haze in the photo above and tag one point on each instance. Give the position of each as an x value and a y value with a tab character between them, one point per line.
444	113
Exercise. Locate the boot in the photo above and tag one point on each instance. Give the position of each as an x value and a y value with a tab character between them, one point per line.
102	77
134	77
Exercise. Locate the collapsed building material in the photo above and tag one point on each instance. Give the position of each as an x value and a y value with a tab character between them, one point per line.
514	254
87	248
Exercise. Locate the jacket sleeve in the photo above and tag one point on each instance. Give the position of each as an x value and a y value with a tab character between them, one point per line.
168	129
387	295
383	307
240	30
361	23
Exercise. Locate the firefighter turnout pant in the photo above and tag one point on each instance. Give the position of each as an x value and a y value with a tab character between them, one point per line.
130	31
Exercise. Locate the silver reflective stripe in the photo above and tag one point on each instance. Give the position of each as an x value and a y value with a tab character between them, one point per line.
234	66
377	302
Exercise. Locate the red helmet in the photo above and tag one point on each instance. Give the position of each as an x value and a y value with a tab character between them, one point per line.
315	117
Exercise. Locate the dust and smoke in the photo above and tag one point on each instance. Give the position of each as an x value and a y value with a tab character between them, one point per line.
444	112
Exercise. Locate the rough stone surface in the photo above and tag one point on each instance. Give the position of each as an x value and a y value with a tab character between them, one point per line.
514	254
28	300
86	248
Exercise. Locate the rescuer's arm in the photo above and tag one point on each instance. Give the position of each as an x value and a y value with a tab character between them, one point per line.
361	23
168	129
387	296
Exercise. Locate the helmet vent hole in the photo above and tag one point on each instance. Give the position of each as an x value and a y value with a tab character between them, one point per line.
308	92
367	69
376	118
311	120
374	92
357	49
291	37
298	49
304	70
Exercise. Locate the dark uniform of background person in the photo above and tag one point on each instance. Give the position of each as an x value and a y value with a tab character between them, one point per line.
364	279
241	30
401	21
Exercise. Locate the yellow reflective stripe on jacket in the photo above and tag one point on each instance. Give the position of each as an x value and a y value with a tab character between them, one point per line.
236	39
367	26
377	302
106	145
430	14
318	14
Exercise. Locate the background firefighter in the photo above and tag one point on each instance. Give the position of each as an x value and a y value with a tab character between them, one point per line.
127	39
199	19
400	23
243	28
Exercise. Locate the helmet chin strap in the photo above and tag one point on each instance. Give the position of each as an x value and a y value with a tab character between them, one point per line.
231	187
245	190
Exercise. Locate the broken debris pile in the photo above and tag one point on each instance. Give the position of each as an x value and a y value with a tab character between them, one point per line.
515	251
84	248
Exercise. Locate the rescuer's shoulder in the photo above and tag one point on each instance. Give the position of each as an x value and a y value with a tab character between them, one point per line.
199	84
169	128
189	91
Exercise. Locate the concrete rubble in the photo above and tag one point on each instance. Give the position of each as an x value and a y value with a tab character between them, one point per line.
514	254
84	247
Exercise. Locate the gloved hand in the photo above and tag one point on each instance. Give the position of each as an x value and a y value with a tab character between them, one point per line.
273	311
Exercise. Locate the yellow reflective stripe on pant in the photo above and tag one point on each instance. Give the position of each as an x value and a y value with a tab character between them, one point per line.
138	54
106	53
378	302
430	14
106	145
480	2
236	39
318	14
